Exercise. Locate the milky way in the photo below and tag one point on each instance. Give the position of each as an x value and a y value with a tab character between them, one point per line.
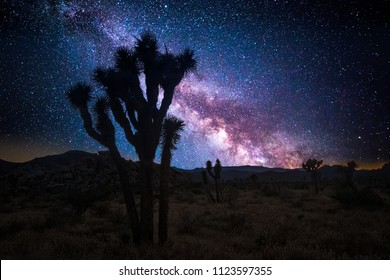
277	81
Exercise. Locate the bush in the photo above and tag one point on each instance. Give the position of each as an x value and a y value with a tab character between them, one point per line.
80	200
125	236
365	197
189	223
270	190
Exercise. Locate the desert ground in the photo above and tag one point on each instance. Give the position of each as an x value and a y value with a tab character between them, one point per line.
262	220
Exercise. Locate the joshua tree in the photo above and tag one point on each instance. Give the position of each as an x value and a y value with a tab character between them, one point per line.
205	182
349	171
171	129
312	166
136	112
79	96
216	176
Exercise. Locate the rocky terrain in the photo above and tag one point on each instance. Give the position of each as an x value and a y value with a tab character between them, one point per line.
58	172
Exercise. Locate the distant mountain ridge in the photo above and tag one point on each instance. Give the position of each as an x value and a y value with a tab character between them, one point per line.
51	163
232	173
7	166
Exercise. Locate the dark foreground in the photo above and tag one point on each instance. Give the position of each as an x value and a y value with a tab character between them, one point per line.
255	222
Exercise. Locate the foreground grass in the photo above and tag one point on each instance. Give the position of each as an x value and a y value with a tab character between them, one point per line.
251	224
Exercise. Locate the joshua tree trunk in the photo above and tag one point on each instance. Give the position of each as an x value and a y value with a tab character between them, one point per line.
147	150
170	136
128	195
146	171
205	182
312	166
315	177
164	197
217	190
216	176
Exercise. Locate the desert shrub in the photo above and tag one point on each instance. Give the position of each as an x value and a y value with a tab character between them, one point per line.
189	223
270	190
197	191
196	185
231	195
5	208
230	222
118	216
101	209
103	191
56	217
125	236
236	222
11	227
365	197
300	186
79	200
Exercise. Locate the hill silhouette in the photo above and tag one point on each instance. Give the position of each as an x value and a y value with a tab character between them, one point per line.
61	162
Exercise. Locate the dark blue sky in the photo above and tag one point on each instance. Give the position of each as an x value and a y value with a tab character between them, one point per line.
277	81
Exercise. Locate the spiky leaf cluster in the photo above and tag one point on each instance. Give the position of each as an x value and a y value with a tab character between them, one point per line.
126	60
103	122
352	165
312	165
217	169
147	47
215	172
170	134
79	95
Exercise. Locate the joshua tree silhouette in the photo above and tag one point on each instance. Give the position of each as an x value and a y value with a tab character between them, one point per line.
312	166
79	96
349	171
135	112
216	176
205	182
171	129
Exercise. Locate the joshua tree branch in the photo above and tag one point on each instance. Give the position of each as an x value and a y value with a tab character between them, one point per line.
166	102
87	120
152	84
136	92
130	108
120	117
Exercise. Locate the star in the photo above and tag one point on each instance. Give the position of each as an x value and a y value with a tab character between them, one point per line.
277	82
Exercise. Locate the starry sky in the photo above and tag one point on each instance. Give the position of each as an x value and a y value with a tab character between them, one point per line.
277	81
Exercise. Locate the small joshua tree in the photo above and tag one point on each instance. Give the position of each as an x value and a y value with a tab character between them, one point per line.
205	182
216	175
349	171
312	166
171	129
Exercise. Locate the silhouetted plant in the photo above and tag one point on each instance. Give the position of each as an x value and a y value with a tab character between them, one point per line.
349	171
365	197
171	129
137	114
205	183
104	133
204	177
215	173
253	178
312	166
79	200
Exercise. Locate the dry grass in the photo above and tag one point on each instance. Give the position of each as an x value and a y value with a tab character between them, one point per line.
294	223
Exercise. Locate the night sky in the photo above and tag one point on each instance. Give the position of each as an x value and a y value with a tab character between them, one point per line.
277	81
